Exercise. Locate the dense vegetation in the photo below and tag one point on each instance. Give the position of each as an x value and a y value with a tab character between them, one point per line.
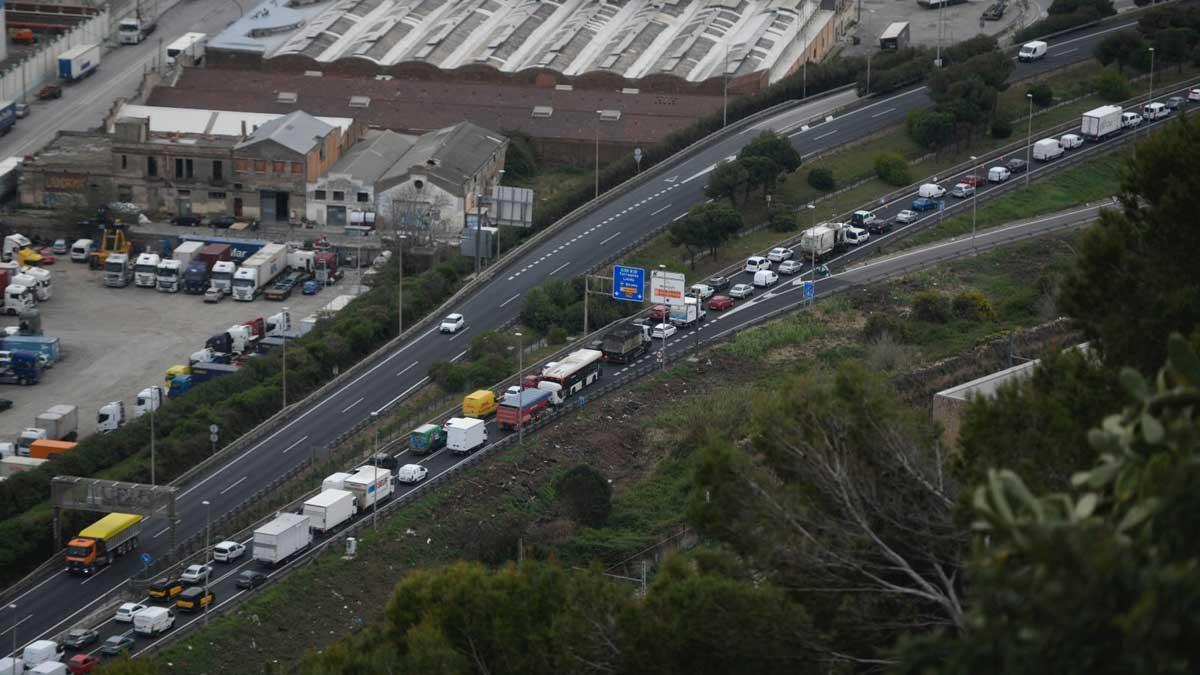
1065	15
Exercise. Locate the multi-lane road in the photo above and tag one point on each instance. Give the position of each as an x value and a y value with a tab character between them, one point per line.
577	247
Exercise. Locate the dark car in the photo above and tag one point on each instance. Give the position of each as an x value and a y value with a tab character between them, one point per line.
250	579
974	180
718	283
881	226
165	589
116	645
924	204
194	599
5	404
188	220
78	638
49	91
1016	166
222	222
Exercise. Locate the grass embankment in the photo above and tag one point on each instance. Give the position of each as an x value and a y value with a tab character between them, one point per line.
640	438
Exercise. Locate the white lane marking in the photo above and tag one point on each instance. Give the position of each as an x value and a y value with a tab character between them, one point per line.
560	267
285	450
94	576
459	355
161	532
655	213
1066	51
410	367
465	329
306	413
347	408
514	297
826	135
235	484
42	583
16	625
404	393
883	112
610	238
682	215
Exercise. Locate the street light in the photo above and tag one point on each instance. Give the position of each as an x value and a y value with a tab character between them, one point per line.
287	318
1150	94
520	388
13	610
155	397
1029	141
725	92
399	282
599	113
812	211
207	544
375	478
974	195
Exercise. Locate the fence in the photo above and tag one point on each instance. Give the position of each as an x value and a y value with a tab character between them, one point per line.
42	65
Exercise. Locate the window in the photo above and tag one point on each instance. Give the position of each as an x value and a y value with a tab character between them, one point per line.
216	195
184	193
260	166
152	167
189	169
319	194
280	167
339	196
125	162
241	165
363	197
178	167
218	170
124	193
297	169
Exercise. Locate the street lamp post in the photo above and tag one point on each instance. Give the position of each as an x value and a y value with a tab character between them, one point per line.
207	556
521	392
974	195
13	610
155	397
1029	142
1150	93
375	477
598	114
812	211
288	319
725	89
868	73
400	282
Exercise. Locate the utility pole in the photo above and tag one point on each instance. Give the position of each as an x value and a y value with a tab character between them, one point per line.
586	292
207	556
521	393
1029	142
725	94
155	399
375	478
287	318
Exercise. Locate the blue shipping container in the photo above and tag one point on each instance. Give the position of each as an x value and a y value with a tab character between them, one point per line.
46	346
240	249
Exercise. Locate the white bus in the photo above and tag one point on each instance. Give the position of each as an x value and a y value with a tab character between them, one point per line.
188	49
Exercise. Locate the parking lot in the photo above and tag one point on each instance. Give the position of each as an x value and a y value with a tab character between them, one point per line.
959	22
117	341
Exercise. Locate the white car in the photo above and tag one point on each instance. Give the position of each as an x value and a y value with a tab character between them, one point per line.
126	611
741	291
1130	120
856	236
756	263
962	190
1155	110
779	254
452	323
1069	141
214	294
195	574
228	551
703	290
931	191
663	331
1194	94
411	473
907	216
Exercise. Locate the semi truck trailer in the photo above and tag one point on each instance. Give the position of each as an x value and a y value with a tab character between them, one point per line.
99	544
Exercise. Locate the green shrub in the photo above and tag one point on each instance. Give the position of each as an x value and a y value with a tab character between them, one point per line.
1042	94
586	494
879	325
822	179
781	220
1112	86
973	306
892	169
558	335
931	306
1001	128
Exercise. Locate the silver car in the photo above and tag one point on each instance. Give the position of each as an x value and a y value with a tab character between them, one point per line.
907	216
741	291
790	267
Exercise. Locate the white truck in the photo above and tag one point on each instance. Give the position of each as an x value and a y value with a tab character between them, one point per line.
44	287
1047	149
80	250
145	270
59	423
18	299
28	282
118	272
148	399
821	240
40	651
153	621
222	275
110	417
258	271
330	509
687	314
465	434
168	275
78	62
282	538
1101	122
133	30
188	49
369	485
49	668
335	481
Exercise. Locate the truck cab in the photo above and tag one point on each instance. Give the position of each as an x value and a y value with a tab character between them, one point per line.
110	417
29	282
18	299
222	275
245	284
43	282
150	398
27	438
168	276
117	271
145	271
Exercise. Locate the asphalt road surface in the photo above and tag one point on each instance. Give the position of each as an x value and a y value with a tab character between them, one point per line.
52	605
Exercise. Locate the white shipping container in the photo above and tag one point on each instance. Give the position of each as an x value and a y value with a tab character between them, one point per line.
329	509
335	481
464	434
50	668
186	251
369	484
281	538
1101	122
14	465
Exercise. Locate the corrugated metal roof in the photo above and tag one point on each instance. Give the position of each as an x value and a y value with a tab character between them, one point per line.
371	157
297	131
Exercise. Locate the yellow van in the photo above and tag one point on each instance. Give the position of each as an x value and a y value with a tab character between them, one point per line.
479	404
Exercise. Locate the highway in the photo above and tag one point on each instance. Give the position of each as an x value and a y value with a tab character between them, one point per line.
53	604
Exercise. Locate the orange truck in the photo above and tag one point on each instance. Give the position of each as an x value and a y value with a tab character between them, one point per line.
45	448
99	544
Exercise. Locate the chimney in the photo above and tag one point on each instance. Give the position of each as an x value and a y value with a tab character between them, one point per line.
243	130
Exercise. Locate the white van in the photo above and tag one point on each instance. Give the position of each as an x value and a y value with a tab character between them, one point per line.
1047	149
856	236
1130	120
153	621
757	263
50	668
1155	111
931	191
1070	141
765	278
41	651
80	250
998	174
1032	51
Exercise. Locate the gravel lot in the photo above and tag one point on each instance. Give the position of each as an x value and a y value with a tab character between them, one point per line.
960	21
117	341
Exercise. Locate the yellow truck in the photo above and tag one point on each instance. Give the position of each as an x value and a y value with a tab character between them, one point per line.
101	542
479	404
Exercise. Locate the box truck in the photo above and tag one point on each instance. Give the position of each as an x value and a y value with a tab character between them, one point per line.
335	481
465	434
259	270
370	484
281	538
1101	122
78	62
330	509
133	30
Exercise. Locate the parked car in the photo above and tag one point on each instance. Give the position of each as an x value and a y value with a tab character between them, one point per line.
47	254
1016	166
188	220
5	403
718	282
962	190
857	236
659	313
662	331
741	291
250	579
310	287
83	663
790	267
907	216
924	204
196	574
126	611
214	294
704	291
1070	141
228	551
779	254
931	191
49	91
78	638
1176	102
720	302
117	645
60	246
452	323
223	222
21	110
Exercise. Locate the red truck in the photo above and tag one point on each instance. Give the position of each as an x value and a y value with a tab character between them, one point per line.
523	407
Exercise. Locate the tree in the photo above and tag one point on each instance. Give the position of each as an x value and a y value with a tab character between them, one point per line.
892	169
706	226
821	179
762	172
1174	45
1042	94
931	129
1100	579
1135	280
775	147
587	495
1111	85
1119	48
781	220
726	180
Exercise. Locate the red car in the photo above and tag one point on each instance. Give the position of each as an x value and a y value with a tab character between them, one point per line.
973	180
47	256
660	313
720	302
83	663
